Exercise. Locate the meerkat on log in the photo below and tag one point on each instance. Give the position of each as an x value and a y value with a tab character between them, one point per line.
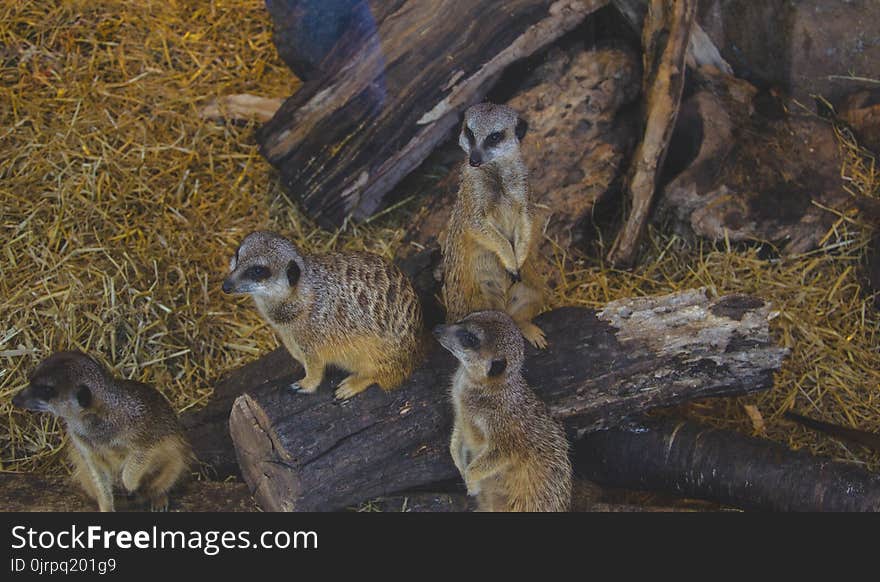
489	245
353	310
511	453
121	432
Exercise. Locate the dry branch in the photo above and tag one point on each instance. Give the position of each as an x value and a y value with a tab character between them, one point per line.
312	453
665	39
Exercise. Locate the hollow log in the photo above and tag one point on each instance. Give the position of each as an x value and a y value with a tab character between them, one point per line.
391	89
30	492
687	459
309	452
667	29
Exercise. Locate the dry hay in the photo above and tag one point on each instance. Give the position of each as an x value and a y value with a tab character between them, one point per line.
120	209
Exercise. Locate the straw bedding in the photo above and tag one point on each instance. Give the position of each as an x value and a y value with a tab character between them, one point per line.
120	208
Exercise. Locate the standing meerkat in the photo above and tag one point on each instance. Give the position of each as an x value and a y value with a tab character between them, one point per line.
489	246
121	432
511	453
350	309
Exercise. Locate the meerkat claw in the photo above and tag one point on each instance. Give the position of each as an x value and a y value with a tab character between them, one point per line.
534	334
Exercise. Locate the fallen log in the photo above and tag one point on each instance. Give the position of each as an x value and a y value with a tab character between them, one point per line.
310	452
30	492
387	94
207	428
687	459
667	29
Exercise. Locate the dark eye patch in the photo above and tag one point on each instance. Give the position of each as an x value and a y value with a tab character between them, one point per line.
468	340
470	135
44	392
84	396
257	273
494	138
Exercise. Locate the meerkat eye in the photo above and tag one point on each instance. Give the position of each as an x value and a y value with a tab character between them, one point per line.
470	135
468	340
84	396
257	273
494	138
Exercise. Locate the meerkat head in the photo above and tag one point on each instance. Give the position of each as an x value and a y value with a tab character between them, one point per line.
66	384
265	264
487	343
491	133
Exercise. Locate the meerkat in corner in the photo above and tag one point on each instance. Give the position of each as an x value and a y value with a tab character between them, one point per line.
353	310
489	254
121	432
511	453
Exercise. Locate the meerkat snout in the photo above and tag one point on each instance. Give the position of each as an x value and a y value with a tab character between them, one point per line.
491	132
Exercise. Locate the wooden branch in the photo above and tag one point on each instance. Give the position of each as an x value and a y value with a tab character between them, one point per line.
701	51
28	492
686	459
302	452
665	39
241	107
395	91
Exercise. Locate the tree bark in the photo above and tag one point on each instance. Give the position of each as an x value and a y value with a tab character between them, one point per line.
686	459
391	89
308	452
665	37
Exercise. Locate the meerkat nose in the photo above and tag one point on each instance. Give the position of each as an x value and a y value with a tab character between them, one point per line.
476	159
227	286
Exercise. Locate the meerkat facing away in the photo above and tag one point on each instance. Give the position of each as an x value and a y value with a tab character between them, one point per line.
349	309
511	453
121	432
488	247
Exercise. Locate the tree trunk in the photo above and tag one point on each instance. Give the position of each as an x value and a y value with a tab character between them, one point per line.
686	459
392	87
308	452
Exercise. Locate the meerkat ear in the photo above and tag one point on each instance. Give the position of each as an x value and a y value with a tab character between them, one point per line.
293	273
84	396
497	367
522	126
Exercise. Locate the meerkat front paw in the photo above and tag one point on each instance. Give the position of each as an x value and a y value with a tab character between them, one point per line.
159	504
303	387
534	334
473	487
